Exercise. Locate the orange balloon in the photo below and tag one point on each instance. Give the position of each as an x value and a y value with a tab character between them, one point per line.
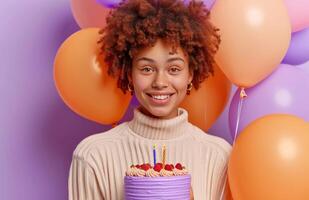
207	103
89	13
228	194
83	83
270	160
255	37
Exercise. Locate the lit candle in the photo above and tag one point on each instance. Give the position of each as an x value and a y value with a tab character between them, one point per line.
164	156
154	155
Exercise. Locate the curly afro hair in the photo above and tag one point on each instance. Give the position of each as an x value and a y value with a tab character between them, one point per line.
137	24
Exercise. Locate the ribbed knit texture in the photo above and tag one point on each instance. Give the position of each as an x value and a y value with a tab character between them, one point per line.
100	161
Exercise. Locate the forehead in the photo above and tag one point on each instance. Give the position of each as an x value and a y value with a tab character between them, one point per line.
161	51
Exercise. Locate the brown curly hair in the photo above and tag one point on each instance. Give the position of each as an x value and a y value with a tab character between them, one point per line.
137	24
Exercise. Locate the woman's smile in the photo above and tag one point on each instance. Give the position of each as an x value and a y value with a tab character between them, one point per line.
160	99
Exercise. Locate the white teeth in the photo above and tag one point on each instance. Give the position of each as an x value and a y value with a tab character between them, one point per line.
160	97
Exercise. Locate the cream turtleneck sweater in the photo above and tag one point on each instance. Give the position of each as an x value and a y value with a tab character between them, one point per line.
100	161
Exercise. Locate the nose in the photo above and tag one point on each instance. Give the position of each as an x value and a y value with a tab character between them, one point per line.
160	81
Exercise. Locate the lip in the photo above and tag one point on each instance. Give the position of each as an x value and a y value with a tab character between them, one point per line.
165	93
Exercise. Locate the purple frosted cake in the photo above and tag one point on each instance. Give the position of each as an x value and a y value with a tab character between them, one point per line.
147	182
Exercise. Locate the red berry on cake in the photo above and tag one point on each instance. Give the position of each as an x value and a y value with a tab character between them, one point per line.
158	167
138	166
178	166
168	167
160	164
145	167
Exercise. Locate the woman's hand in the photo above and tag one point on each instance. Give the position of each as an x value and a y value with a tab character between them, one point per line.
191	194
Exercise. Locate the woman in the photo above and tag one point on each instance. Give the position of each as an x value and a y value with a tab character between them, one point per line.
158	50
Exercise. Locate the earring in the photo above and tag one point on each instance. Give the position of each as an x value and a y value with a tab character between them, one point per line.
130	88
189	88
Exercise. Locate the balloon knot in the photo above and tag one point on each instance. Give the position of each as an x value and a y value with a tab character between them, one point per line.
243	93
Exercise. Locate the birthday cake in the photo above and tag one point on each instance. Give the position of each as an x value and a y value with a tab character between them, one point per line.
161	181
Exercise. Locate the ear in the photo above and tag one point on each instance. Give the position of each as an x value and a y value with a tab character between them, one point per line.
191	75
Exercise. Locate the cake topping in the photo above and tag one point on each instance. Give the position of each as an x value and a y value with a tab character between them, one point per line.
158	170
178	172
178	166
145	167
168	167
158	167
140	172
165	172
152	173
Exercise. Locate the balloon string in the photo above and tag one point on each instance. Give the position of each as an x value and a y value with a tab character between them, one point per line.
242	96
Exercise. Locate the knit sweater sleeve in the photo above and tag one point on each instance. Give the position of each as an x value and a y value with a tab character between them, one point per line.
83	182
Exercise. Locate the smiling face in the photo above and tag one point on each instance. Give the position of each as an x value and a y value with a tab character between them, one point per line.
160	79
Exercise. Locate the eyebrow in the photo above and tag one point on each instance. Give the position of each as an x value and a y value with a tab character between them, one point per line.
152	61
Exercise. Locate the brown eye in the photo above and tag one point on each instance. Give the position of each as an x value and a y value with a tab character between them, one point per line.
147	69
174	69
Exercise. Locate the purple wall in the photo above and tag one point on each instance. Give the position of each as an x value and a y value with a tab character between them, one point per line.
38	133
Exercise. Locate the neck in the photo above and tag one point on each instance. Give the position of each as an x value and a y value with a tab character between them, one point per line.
159	129
173	114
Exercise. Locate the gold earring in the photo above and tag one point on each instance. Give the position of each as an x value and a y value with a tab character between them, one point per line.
189	88
130	88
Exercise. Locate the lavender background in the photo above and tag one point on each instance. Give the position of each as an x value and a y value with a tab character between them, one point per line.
38	133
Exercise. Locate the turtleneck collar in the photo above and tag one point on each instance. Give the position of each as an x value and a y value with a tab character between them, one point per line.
159	129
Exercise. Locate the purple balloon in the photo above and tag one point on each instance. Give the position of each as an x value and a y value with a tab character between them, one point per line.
298	51
221	127
114	3
284	91
109	3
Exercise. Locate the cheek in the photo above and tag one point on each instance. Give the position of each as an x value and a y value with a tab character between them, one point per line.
180	84
140	83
